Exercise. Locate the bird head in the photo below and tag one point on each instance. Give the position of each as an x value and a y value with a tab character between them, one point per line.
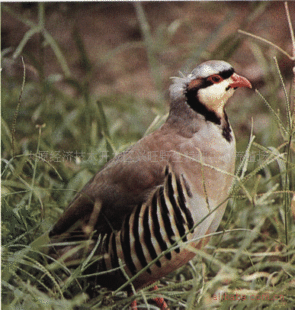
208	87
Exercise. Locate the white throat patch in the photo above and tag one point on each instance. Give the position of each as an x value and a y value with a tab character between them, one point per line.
215	96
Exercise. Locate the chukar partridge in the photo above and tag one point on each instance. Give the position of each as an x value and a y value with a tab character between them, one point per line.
171	185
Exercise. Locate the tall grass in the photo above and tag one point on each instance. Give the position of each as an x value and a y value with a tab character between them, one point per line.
249	263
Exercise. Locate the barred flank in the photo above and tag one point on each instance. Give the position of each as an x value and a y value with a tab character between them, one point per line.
153	226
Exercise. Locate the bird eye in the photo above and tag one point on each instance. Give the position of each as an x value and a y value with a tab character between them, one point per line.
215	78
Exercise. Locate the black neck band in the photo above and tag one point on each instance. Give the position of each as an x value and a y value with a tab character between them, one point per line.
211	116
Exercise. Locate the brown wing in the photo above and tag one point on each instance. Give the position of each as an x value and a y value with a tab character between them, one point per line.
124	182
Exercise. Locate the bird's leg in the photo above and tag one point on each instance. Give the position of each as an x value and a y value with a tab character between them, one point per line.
133	305
160	301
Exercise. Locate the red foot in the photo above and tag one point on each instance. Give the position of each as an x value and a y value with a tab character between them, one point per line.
160	301
133	305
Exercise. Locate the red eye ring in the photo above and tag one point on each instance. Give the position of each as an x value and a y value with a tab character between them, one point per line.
215	78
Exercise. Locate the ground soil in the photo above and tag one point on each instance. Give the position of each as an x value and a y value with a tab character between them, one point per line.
112	38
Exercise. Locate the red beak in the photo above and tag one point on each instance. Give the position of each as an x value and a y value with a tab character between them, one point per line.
239	81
